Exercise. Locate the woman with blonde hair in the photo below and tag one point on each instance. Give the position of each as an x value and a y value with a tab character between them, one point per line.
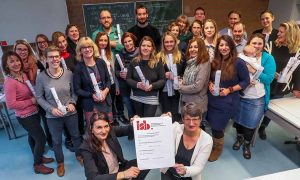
185	35
41	42
89	62
23	49
174	65
286	45
174	28
210	35
145	76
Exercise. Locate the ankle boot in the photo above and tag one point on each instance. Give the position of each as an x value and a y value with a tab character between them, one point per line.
60	169
246	150
42	169
239	141
262	132
217	149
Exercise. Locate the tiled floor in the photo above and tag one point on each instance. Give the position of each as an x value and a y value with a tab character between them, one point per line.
268	156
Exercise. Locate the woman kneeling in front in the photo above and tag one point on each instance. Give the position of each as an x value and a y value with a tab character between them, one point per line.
192	146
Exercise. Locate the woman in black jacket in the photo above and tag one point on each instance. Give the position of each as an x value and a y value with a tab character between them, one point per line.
102	152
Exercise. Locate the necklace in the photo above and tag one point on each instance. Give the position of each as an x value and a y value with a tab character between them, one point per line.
18	77
55	76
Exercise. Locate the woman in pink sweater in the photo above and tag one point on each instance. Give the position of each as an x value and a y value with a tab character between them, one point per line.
21	99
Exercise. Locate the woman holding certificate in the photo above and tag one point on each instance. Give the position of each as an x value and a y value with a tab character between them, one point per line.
20	98
174	65
285	50
129	52
229	75
103	43
192	146
54	92
256	97
102	152
91	79
145	76
193	87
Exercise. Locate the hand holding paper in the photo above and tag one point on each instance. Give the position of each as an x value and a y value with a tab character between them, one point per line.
96	87
59	104
142	77
216	91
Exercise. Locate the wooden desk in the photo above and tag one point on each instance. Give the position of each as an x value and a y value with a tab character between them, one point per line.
285	175
286	113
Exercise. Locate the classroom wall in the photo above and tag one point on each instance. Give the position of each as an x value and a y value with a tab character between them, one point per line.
26	18
215	9
285	10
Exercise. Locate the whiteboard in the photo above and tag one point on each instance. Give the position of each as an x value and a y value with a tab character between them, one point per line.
21	19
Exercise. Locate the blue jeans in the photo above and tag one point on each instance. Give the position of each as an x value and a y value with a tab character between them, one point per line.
56	126
129	105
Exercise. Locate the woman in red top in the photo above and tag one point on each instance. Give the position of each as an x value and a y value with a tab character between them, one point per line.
21	99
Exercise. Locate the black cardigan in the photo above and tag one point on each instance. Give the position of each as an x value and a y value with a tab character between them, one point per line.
95	165
83	85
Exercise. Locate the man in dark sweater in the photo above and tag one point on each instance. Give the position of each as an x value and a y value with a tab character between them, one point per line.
143	28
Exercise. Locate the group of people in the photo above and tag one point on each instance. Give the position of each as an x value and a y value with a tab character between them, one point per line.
194	73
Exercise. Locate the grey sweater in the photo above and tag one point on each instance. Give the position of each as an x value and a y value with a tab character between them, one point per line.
64	89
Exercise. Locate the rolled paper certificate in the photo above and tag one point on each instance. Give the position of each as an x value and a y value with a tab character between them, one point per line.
30	87
217	83
120	62
95	84
257	73
283	76
102	51
38	71
174	72
63	63
119	33
292	69
140	73
59	104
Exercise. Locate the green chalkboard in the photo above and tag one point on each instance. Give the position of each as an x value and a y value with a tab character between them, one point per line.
161	13
122	13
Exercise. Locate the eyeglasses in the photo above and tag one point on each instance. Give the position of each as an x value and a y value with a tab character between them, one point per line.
21	50
53	57
104	18
42	42
191	119
86	47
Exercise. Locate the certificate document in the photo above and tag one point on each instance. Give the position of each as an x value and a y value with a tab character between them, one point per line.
154	142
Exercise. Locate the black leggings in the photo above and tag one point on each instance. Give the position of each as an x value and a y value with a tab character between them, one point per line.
144	110
246	132
36	136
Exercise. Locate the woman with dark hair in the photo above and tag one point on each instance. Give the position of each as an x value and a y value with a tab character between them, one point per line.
174	65
194	86
19	98
266	20
196	29
256	97
23	49
127	54
73	34
145	76
55	93
102	152
42	42
103	43
286	45
223	105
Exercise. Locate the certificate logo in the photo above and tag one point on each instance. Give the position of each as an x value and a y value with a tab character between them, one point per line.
142	125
